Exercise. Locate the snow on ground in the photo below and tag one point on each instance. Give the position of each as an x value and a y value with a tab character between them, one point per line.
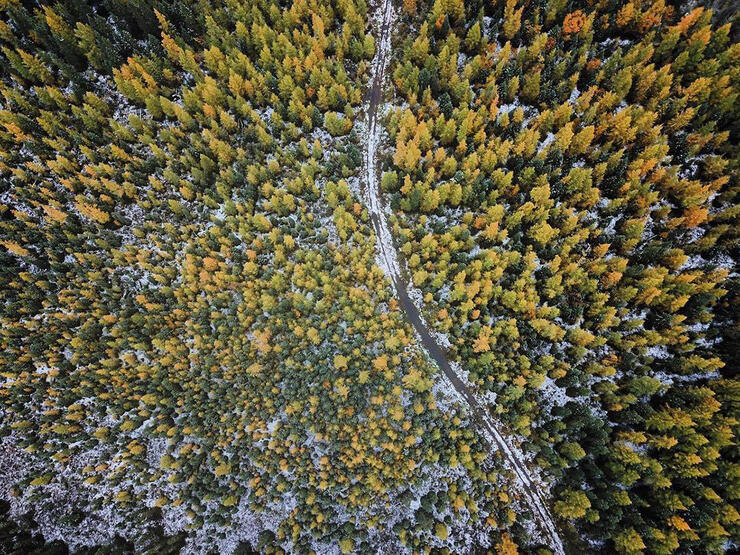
553	392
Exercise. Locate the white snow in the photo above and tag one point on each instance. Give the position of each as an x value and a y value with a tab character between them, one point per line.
554	392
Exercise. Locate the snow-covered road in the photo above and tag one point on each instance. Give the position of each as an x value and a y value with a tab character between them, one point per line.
389	261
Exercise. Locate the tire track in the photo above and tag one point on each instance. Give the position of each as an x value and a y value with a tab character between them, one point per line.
390	262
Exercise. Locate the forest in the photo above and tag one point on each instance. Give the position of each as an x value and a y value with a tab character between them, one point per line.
201	349
564	185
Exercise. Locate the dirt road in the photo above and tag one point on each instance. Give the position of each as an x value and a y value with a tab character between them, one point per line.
390	262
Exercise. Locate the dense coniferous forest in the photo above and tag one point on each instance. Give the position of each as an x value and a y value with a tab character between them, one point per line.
564	177
202	350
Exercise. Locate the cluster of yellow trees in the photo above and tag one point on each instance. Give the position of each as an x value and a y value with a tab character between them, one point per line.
565	176
191	316
192	323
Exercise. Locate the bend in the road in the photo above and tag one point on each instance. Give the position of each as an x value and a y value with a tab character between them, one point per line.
390	261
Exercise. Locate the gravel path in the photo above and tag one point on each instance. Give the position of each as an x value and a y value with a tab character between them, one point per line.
389	260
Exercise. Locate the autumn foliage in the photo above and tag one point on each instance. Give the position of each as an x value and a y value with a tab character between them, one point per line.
573	22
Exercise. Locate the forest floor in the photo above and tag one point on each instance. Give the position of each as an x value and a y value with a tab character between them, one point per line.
389	260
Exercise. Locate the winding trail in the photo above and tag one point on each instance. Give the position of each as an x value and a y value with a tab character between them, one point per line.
390	261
